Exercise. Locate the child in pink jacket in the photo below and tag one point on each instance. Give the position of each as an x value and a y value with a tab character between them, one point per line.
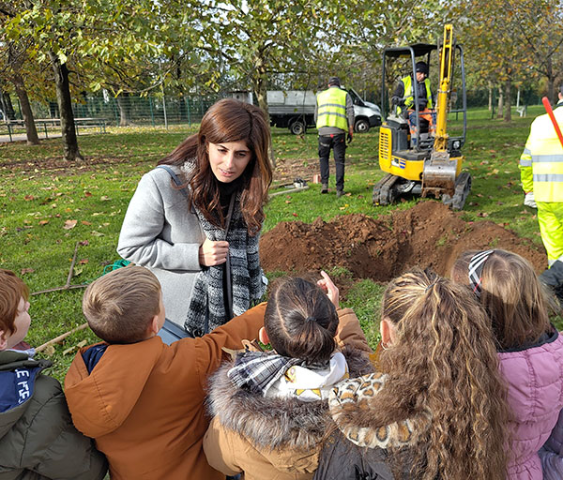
530	349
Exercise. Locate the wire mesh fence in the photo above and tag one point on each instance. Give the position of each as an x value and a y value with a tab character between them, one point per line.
95	113
124	110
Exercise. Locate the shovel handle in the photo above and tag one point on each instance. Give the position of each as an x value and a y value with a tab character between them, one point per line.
549	111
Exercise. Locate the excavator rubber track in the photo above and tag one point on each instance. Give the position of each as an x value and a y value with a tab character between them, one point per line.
391	187
462	189
383	191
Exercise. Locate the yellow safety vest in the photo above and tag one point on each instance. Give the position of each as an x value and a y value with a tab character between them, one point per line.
331	111
541	163
409	96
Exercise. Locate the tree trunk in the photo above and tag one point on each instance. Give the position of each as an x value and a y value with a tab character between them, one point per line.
508	100
260	87
27	114
550	81
490	97
124	104
68	130
7	106
500	102
551	90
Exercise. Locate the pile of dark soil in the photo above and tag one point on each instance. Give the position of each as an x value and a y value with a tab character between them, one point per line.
428	235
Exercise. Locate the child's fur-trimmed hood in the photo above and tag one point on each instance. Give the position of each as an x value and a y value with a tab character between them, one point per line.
273	423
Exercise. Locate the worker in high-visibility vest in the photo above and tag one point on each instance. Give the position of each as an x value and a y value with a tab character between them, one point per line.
541	171
404	97
334	114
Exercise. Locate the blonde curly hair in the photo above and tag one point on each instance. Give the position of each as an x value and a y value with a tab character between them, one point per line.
444	358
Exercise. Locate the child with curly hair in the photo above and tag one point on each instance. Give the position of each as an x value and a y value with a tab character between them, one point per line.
436	408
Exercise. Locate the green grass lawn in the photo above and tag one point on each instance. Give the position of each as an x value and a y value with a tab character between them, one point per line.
47	206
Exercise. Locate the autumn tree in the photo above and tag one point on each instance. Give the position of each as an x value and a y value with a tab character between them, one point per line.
260	39
85	34
14	61
540	28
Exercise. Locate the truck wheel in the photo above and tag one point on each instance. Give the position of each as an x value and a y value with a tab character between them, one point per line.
297	127
361	126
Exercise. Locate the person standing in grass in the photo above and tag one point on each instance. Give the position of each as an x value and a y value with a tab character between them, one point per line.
195	220
541	172
37	437
334	114
144	401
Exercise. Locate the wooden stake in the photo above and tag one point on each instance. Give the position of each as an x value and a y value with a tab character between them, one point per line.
67	285
291	190
61	337
71	271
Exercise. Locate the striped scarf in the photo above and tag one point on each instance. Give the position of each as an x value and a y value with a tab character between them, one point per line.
207	307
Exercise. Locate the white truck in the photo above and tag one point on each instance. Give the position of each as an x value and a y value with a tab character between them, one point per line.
295	109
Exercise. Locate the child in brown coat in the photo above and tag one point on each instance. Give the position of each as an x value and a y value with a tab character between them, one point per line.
142	400
271	407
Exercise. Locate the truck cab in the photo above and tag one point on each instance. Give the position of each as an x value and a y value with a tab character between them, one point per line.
367	114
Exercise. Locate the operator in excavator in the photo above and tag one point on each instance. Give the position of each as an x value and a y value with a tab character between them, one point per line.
404	97
541	171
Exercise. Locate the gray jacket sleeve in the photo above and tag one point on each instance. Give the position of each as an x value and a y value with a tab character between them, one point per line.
350	115
53	447
551	453
158	230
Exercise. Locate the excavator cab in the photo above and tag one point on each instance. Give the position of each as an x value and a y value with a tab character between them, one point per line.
419	156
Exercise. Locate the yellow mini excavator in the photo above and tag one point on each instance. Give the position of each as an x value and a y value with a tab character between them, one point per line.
430	165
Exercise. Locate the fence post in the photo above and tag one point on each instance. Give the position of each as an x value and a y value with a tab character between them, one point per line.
164	111
152	112
189	114
187	102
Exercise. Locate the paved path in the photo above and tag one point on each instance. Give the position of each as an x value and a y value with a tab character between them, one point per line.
23	138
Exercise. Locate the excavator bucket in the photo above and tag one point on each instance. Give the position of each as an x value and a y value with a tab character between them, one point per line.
439	175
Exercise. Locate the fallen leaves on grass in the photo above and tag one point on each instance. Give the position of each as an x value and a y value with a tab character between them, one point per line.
70	224
75	347
49	351
25	271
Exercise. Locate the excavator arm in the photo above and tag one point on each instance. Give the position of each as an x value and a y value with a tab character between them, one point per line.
446	55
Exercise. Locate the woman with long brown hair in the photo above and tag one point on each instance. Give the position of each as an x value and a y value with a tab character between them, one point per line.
436	409
195	220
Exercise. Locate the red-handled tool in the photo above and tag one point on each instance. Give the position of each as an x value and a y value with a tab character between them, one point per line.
549	111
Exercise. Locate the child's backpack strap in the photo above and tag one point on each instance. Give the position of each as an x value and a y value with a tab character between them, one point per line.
175	179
